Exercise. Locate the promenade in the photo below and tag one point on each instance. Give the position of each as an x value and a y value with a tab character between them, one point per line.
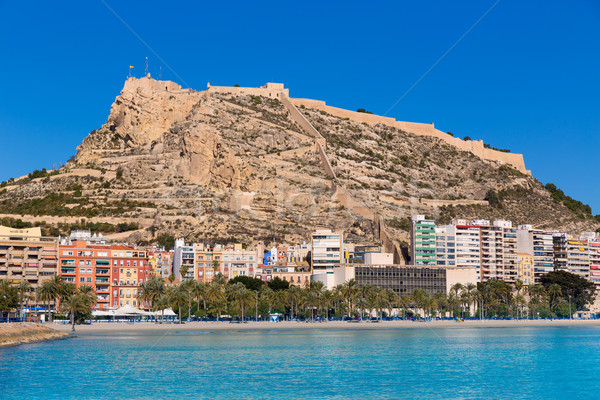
217	326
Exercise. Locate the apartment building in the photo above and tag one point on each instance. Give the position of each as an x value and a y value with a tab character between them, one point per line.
238	261
595	261
559	249
422	241
161	262
327	249
525	268
26	255
184	260
540	244
115	272
458	245
498	247
578	257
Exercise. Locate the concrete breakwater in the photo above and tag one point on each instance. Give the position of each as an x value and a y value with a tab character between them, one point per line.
13	334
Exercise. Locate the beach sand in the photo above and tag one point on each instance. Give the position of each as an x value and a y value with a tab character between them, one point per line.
214	326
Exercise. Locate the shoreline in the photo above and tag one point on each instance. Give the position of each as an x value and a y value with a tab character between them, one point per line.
99	327
17	333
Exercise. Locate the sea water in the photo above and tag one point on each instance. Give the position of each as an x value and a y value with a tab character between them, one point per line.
422	363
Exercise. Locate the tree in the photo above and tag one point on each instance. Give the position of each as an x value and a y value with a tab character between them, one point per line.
165	240
23	290
493	198
45	293
216	296
76	304
248	282
9	296
580	290
153	290
177	296
278	284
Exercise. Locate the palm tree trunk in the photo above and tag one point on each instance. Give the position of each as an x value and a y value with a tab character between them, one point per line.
73	321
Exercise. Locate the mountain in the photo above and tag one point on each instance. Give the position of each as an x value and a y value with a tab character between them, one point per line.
248	164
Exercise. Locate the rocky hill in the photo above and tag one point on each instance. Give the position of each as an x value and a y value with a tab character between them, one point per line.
246	164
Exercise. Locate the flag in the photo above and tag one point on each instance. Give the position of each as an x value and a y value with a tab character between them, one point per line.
131	66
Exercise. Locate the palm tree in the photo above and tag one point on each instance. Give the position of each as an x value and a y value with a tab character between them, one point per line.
200	291
23	289
152	291
349	290
57	285
77	304
189	287
294	295
554	291
90	293
46	294
177	296
216	296
418	296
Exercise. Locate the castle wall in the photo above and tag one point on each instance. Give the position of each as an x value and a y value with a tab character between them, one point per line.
132	84
474	146
272	90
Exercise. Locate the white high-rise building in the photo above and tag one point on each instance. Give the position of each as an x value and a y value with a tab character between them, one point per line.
327	248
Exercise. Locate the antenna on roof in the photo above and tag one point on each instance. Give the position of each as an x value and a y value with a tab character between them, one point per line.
146	66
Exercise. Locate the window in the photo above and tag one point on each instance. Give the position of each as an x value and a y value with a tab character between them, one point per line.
67	253
89	279
82	279
89	271
115	263
121	270
81	262
135	263
129	263
82	270
121	265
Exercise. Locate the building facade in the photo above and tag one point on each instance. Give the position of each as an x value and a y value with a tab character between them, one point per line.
422	241
327	249
26	255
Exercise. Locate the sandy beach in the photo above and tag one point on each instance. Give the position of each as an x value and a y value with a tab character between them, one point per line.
213	326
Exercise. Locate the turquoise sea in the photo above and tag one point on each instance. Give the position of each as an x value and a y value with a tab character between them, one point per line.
423	363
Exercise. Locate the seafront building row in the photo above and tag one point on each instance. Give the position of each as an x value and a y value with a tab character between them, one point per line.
460	252
497	250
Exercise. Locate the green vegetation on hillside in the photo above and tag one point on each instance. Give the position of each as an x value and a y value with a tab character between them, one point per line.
64	229
66	205
574	205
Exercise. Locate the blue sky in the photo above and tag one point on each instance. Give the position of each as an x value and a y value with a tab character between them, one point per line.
526	77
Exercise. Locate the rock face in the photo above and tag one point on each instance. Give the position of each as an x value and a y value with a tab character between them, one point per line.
14	334
235	165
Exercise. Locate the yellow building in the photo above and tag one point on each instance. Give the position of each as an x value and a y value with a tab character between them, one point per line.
25	255
525	268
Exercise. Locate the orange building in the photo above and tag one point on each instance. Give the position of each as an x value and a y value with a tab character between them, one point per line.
115	272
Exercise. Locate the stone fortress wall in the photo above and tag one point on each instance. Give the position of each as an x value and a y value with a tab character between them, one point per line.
474	146
277	90
273	90
146	83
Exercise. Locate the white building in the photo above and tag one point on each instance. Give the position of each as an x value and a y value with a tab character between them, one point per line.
326	249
